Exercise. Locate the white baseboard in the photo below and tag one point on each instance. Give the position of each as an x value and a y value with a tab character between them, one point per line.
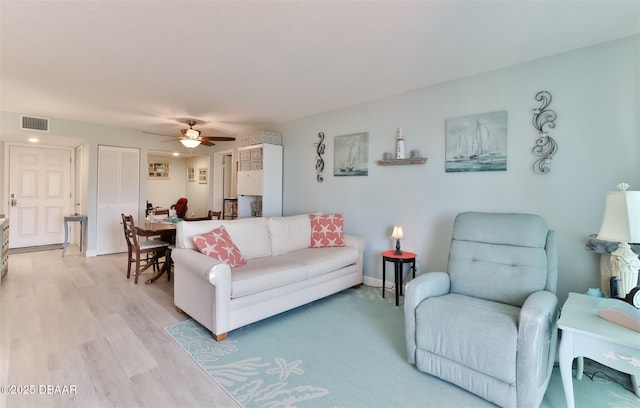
376	282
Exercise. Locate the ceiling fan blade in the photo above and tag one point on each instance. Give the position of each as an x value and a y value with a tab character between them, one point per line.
207	143
218	138
159	134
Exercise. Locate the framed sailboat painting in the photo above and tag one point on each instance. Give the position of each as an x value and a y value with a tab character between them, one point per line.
476	143
351	155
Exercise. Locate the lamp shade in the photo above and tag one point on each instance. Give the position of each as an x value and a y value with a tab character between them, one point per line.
397	232
190	143
621	221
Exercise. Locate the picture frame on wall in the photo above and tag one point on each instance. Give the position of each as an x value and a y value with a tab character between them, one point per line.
203	175
191	173
476	143
157	170
351	155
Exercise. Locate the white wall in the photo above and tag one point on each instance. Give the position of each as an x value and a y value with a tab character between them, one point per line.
595	94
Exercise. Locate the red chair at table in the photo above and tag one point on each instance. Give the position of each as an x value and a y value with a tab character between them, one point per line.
180	207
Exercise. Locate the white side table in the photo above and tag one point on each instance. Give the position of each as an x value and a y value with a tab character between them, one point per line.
585	334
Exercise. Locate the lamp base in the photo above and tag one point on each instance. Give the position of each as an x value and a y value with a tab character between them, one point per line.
398	251
625	264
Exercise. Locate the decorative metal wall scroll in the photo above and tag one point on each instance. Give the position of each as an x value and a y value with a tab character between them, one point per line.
319	162
544	119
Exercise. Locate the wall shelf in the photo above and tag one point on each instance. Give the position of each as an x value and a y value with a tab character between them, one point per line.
399	162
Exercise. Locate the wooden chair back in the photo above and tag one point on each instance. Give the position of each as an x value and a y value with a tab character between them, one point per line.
130	233
152	249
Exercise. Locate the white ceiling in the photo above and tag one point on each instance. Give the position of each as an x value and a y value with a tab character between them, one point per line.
237	64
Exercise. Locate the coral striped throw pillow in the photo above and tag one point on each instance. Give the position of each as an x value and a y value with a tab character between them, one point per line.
326	230
218	244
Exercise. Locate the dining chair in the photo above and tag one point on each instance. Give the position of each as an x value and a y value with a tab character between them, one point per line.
181	207
138	251
215	215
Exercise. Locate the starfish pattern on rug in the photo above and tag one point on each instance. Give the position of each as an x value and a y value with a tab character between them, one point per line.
285	369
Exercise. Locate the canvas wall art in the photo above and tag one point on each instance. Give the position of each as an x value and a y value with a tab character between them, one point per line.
476	143
351	155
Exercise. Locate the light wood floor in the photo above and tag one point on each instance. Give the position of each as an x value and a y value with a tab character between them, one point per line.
78	322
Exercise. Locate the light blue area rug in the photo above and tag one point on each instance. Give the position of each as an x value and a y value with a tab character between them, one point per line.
345	351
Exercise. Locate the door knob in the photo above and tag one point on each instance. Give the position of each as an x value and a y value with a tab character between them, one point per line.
14	200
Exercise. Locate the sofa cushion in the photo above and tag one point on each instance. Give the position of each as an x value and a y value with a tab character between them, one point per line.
249	234
218	244
323	260
261	274
327	230
289	233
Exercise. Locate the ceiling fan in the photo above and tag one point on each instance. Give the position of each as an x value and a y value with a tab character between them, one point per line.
191	137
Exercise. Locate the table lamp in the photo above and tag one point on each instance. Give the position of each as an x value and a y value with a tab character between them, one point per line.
621	223
397	234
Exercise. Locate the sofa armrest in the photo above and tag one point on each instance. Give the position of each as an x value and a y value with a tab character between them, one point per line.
356	242
537	338
203	266
208	304
426	285
353	241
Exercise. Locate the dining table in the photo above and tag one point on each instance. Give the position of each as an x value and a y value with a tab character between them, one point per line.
167	232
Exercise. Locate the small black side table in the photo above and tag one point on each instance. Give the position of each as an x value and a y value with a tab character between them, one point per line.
398	261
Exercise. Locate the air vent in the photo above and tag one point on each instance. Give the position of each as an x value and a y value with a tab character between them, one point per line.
33	123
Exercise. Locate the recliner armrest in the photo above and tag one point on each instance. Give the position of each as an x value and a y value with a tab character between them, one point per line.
427	285
537	338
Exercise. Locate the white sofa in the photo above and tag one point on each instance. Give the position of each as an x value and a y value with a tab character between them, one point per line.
281	272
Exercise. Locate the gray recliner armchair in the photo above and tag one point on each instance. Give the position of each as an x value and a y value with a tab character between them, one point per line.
489	325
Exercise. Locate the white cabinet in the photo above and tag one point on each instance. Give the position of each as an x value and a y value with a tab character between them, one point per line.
260	180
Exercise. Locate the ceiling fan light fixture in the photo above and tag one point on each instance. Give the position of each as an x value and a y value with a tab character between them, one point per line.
190	143
192	133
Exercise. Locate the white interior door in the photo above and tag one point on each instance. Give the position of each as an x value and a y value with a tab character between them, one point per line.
39	195
118	193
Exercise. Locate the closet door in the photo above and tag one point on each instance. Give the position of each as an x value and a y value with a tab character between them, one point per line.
118	193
